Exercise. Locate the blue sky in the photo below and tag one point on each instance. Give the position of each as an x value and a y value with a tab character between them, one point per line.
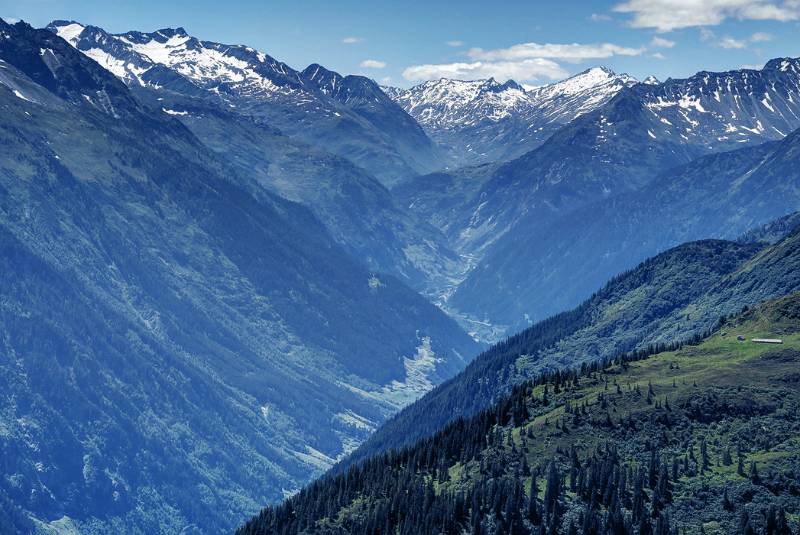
402	43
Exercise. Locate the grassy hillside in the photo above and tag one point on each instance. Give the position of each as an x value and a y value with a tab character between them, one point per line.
700	438
670	297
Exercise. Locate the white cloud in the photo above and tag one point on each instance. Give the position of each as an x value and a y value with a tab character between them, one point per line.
707	35
573	52
522	71
658	55
668	15
351	40
599	17
730	42
523	62
726	41
372	64
455	43
660	42
760	37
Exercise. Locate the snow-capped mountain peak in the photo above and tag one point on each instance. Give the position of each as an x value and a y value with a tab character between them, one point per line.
485	120
131	55
590	79
783	65
447	103
308	105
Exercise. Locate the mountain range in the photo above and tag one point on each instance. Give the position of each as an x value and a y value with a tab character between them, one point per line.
340	112
486	121
719	196
175	336
615	152
350	200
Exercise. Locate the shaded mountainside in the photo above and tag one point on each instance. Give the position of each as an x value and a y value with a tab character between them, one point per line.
668	298
367	99
173	337
485	121
703	437
373	132
358	212
539	269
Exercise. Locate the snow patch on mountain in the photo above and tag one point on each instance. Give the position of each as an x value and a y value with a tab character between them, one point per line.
717	109
70	32
420	369
130	56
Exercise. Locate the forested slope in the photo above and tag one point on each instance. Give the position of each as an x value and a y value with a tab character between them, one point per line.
703	438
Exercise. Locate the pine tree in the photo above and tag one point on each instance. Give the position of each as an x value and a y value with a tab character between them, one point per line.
726	502
745	527
754	477
781	524
553	488
704	461
727	460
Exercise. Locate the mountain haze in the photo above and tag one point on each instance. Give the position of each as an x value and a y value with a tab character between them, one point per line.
538	269
228	285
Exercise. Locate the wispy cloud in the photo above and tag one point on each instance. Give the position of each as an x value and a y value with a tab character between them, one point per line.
573	52
707	35
660	42
351	40
658	55
599	17
524	62
730	42
760	37
455	43
372	64
668	15
522	71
